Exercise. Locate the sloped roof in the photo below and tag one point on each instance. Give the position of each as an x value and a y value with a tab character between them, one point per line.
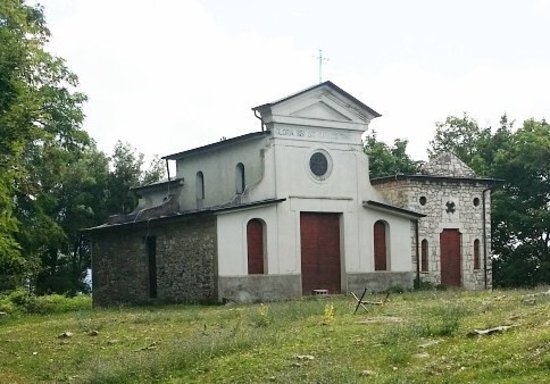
329	84
447	164
183	215
392	209
217	145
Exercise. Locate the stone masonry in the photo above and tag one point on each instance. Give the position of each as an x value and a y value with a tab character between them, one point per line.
185	260
451	197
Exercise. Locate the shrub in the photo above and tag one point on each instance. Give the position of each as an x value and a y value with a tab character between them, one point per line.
24	302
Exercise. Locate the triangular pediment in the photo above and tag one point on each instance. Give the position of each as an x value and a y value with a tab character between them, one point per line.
323	105
321	110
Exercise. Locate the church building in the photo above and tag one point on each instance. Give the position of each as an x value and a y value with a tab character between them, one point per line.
290	210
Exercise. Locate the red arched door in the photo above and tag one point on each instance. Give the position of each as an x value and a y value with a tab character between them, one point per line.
255	240
380	251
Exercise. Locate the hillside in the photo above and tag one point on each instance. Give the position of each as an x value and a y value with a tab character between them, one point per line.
421	337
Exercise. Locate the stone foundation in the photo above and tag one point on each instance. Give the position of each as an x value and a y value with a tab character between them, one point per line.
255	288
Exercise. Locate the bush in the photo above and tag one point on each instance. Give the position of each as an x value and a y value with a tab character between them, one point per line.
24	302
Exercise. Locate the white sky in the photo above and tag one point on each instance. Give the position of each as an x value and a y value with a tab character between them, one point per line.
170	75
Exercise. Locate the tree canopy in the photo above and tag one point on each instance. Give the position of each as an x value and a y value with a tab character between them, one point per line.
387	160
40	118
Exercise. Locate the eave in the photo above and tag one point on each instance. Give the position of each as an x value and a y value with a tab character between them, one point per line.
181	216
391	209
218	145
451	179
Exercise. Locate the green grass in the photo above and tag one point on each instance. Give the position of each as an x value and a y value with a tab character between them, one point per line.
416	337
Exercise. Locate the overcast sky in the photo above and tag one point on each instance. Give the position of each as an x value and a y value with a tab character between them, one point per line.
170	75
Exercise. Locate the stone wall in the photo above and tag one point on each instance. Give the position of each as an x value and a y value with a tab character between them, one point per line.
119	268
185	258
448	204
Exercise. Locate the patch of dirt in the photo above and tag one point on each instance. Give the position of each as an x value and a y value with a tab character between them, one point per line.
380	320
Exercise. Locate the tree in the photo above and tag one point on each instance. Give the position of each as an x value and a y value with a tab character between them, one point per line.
53	181
522	206
387	161
463	137
127	171
39	112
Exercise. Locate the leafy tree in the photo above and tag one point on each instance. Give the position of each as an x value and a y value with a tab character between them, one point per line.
127	170
40	112
522	206
155	172
387	161
53	181
463	137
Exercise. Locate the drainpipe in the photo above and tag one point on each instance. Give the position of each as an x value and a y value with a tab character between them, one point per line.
417	253
168	173
167	169
484	236
259	118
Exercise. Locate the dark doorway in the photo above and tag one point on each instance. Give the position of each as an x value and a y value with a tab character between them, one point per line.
450	258
152	256
320	239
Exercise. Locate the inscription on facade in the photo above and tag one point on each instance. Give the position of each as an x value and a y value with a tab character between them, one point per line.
313	134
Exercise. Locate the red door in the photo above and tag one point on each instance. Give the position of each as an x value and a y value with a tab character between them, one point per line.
255	239
450	257
320	238
380	254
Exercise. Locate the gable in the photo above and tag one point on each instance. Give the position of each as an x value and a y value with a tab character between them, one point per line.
323	105
321	110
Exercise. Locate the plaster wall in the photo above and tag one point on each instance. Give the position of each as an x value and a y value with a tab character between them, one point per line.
219	170
341	191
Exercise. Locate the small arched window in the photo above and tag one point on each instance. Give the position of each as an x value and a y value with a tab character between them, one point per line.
380	246
255	238
239	178
476	254
199	184
424	254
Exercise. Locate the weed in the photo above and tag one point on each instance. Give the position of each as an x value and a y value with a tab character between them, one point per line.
328	314
262	318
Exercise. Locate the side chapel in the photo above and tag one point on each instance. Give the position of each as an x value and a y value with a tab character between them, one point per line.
291	209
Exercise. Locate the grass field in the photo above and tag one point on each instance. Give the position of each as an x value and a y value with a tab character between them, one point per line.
419	337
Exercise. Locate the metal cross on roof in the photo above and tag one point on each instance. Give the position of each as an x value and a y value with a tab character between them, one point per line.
321	59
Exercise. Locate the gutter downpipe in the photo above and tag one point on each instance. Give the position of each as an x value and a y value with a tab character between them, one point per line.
168	174
259	118
484	236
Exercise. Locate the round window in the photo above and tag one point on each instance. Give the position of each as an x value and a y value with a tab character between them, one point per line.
318	164
422	200
476	201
